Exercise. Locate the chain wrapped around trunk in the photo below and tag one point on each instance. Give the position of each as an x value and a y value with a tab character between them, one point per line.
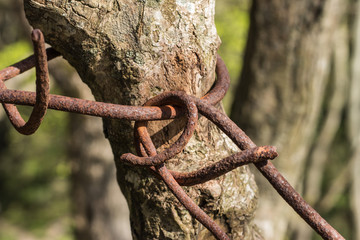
168	105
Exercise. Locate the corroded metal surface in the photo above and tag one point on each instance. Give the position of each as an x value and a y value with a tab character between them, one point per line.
191	115
268	170
252	155
168	105
42	90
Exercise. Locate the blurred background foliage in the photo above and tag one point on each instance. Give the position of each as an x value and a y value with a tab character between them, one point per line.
35	172
232	23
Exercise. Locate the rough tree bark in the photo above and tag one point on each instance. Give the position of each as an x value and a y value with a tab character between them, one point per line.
286	69
128	51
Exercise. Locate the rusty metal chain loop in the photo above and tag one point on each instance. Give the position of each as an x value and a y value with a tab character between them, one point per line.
146	148
42	91
169	105
191	114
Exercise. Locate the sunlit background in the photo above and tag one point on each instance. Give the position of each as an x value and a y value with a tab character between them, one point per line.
35	171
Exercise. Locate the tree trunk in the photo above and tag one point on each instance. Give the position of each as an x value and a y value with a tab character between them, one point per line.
12	16
98	207
281	90
354	119
128	51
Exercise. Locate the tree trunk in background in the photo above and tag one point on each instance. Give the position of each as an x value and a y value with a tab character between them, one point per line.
99	209
354	121
278	100
13	24
128	51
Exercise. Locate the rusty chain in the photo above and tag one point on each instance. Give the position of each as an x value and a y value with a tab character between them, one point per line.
168	105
